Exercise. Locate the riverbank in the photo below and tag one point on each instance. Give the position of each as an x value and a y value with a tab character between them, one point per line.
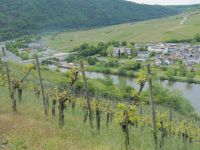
134	74
179	79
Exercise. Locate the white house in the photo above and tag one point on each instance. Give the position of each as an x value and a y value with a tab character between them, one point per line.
159	48
143	54
121	51
158	62
167	62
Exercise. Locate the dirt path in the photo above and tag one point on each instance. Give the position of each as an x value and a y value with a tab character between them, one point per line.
186	17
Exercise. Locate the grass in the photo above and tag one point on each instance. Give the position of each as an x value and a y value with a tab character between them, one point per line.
29	129
146	31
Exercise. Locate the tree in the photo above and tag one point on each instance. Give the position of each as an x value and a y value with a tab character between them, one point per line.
197	38
92	60
182	70
108	81
170	74
124	43
131	65
152	54
132	44
115	43
143	48
24	55
190	75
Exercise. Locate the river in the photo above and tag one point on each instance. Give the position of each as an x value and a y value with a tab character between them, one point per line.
189	91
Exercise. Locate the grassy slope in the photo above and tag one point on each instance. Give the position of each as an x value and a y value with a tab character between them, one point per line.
28	129
147	31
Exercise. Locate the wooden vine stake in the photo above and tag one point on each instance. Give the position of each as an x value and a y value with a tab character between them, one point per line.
98	115
41	85
11	92
170	113
53	110
7	70
185	140
152	107
88	110
73	102
61	108
126	129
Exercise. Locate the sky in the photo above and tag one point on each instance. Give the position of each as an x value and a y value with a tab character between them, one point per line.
167	2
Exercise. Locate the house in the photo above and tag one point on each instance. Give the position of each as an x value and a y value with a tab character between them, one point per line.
35	45
143	54
158	62
192	61
121	51
196	47
140	59
167	62
158	48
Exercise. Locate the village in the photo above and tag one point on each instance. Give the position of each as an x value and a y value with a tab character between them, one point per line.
158	53
163	53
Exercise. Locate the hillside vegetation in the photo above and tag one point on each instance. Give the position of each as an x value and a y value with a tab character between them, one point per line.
28	128
24	17
146	31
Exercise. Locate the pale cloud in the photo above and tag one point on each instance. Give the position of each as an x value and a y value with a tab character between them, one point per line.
167	2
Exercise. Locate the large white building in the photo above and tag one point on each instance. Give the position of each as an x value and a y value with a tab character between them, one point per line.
159	48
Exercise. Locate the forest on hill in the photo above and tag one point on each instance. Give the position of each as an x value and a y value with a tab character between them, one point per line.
22	17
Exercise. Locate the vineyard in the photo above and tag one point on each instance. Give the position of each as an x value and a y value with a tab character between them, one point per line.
67	119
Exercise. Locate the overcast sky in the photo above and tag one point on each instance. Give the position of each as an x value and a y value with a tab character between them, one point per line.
168	2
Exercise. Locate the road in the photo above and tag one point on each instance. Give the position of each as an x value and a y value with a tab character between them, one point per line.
13	58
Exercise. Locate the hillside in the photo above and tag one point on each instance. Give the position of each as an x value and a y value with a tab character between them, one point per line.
24	17
28	128
157	30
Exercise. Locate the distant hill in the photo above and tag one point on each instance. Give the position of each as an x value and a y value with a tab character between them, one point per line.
22	17
157	30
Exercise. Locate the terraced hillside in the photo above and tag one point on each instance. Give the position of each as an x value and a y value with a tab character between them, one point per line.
181	26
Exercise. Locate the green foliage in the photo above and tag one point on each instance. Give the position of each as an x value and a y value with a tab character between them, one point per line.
19	43
143	48
112	63
86	50
197	38
70	58
171	73
179	41
116	43
124	43
92	60
190	75
131	65
24	55
152	54
182	70
24	17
